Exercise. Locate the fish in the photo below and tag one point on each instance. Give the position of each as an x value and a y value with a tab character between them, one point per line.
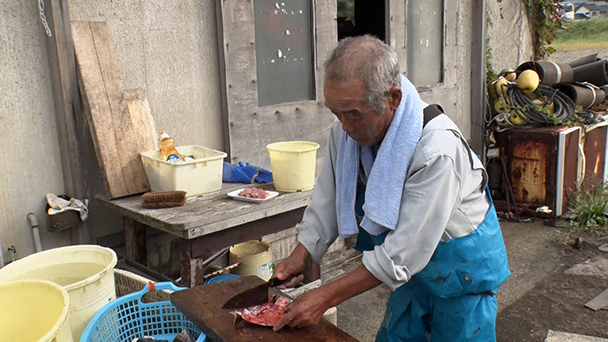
266	314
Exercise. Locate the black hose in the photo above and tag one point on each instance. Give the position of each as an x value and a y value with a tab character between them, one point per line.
564	107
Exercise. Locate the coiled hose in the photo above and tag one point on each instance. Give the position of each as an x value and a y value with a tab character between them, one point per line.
563	105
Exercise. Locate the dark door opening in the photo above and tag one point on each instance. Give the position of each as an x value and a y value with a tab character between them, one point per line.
359	17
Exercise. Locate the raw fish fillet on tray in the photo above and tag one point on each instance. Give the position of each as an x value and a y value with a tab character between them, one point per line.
267	314
253	193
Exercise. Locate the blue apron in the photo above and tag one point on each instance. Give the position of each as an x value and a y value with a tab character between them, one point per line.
453	297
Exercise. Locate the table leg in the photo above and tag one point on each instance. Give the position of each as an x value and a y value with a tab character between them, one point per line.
191	264
135	241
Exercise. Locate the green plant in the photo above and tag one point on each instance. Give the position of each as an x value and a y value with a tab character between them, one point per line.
586	210
592	30
545	19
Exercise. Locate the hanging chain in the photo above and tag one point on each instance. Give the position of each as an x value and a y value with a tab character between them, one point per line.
43	18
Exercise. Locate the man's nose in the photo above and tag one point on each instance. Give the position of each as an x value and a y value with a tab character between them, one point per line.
347	126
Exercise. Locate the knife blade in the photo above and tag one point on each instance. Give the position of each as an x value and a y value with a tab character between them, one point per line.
254	296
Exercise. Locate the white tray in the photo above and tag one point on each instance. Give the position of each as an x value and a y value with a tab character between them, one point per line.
235	194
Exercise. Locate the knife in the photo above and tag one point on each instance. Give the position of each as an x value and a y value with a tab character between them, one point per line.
254	296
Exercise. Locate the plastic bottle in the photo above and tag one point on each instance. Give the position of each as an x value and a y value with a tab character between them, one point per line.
167	147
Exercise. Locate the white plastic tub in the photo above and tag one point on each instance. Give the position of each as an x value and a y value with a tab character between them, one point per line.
85	271
201	176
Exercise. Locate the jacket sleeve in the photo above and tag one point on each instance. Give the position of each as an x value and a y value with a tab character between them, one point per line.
430	196
319	226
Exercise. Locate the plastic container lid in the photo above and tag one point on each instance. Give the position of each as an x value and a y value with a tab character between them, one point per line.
163	135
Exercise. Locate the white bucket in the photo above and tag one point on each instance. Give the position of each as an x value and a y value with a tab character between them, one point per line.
85	271
34	311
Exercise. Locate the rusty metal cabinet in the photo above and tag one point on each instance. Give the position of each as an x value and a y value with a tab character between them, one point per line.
543	164
595	148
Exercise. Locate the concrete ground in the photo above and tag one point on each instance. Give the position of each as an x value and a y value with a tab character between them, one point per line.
557	336
534	254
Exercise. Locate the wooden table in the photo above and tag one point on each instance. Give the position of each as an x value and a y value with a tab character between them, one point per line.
210	223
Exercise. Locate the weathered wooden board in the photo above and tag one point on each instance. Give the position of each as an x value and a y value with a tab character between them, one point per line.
111	125
208	214
203	306
143	122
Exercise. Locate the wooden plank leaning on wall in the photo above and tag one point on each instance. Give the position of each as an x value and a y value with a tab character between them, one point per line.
111	124
68	110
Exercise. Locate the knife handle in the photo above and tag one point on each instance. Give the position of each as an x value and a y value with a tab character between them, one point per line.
274	282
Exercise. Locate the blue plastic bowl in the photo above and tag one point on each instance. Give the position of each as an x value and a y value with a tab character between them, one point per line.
220	278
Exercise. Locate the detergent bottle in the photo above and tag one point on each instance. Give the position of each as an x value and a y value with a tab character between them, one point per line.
167	147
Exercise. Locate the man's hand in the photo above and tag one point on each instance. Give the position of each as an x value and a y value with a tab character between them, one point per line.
293	265
306	310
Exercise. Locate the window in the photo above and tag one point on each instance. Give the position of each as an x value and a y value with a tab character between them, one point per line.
425	41
284	51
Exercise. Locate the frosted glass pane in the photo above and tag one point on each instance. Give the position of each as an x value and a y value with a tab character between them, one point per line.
425	41
283	50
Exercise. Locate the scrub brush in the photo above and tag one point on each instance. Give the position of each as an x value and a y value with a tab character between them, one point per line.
163	199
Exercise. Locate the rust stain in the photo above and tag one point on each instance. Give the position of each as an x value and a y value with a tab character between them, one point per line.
516	174
528	171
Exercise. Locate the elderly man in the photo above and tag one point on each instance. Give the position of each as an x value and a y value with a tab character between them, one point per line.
399	174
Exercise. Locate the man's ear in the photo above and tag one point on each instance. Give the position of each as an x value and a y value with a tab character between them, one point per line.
394	98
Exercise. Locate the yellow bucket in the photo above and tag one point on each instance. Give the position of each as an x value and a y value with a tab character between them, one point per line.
293	165
255	258
34	310
85	272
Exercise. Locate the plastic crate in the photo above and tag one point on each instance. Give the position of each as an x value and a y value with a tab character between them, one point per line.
201	176
128	318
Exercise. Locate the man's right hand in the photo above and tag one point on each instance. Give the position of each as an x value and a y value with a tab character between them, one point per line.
292	267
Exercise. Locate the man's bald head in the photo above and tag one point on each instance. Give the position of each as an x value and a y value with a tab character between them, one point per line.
367	59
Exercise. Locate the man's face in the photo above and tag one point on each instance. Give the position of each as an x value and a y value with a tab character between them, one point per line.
346	100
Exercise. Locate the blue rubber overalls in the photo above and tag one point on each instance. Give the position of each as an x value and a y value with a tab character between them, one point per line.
453	297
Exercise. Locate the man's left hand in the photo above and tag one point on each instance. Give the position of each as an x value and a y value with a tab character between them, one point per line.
306	310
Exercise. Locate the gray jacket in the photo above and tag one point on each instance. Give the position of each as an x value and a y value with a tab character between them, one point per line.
443	198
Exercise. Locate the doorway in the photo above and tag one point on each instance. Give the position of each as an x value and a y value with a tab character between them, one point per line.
359	17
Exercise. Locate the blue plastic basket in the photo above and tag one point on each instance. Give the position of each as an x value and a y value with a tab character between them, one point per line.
128	318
